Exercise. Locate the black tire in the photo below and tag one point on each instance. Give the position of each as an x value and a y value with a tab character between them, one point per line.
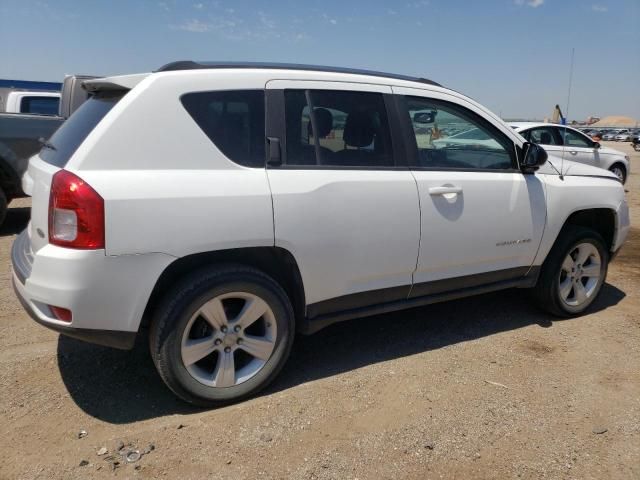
4	205
547	292
171	317
622	169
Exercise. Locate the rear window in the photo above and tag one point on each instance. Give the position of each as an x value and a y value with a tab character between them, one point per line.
233	120
40	105
77	127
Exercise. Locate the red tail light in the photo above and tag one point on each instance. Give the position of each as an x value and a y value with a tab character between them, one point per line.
76	213
60	313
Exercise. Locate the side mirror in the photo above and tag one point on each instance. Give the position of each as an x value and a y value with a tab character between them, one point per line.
596	145
425	117
534	157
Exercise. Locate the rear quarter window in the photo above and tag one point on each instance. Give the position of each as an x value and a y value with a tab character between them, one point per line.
233	120
66	140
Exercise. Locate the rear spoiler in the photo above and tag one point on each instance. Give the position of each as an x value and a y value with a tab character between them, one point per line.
121	82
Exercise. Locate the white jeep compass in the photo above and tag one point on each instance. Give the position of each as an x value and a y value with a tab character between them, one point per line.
229	206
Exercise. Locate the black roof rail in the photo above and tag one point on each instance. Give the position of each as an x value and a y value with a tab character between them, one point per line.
191	65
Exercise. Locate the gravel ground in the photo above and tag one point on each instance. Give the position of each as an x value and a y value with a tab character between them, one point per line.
486	387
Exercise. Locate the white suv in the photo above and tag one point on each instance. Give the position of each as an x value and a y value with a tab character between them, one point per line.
228	206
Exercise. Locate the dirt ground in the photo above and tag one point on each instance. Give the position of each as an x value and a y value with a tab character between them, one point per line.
486	387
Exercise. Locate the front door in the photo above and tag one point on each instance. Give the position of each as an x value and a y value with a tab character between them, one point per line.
578	147
482	219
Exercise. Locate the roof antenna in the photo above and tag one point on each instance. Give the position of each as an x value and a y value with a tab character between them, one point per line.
565	118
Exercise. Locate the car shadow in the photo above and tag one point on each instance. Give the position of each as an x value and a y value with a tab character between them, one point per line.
123	386
16	221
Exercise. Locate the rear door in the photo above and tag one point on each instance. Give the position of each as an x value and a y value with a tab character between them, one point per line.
578	147
344	204
548	137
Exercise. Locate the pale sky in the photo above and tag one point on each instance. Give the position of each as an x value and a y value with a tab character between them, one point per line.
511	55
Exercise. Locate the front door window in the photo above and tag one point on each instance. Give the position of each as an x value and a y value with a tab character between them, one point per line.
450	137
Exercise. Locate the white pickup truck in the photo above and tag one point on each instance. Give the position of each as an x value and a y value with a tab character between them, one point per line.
26	118
26	101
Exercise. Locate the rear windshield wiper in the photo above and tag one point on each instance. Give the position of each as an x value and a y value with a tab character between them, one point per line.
47	144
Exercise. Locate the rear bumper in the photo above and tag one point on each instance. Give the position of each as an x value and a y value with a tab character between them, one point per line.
108	338
106	295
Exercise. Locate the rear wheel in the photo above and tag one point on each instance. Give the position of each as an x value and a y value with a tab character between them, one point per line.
574	272
222	335
619	171
4	203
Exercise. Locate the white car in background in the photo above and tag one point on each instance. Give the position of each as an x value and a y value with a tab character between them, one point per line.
575	145
26	101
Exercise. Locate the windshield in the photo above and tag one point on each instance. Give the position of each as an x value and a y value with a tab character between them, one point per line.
66	140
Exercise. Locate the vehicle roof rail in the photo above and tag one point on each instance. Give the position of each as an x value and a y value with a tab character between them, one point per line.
191	65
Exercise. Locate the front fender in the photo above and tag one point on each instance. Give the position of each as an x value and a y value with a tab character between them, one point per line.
571	194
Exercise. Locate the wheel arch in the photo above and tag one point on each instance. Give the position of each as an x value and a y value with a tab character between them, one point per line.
622	164
11	170
9	179
276	262
602	220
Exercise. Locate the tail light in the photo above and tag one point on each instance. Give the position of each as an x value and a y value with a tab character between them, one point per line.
76	213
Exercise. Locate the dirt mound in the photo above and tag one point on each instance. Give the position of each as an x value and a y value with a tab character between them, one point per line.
616	121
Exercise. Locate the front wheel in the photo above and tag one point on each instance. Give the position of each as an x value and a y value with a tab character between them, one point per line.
223	334
636	147
573	273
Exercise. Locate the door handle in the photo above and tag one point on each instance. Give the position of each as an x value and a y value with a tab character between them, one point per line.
573	152
444	190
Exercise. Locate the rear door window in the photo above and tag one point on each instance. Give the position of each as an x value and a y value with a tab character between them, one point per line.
233	120
574	139
544	136
66	140
40	105
337	128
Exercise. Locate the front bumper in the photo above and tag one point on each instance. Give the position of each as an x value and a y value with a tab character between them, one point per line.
106	294
623	225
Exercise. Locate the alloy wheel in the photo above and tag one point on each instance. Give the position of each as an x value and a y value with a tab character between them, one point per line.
618	172
580	275
229	339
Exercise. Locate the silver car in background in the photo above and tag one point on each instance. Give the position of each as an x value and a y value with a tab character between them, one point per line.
610	135
623	136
